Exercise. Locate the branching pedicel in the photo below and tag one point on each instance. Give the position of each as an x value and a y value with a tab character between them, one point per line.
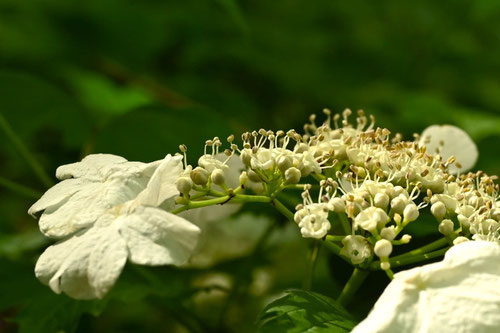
361	189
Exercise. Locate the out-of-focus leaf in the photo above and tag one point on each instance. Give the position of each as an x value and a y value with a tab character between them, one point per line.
233	9
478	124
101	95
304	311
12	246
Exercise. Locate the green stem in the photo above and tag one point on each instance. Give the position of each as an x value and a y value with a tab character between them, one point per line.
311	265
25	153
355	281
20	189
300	187
336	250
335	238
397	262
282	209
251	198
238	198
424	249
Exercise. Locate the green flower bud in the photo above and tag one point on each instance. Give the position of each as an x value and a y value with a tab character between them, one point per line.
218	177
292	175
253	176
284	163
184	185
199	176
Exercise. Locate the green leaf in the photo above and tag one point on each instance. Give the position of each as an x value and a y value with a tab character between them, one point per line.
304	311
101	95
14	245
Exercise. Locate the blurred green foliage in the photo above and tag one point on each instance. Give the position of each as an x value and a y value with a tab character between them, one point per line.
138	78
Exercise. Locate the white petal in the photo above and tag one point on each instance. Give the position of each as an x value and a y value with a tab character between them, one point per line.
106	260
155	237
84	207
456	143
162	186
84	266
234	238
89	167
458	294
56	195
235	167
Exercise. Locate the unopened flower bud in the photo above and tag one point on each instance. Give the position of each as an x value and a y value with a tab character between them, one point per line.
292	175
410	213
464	221
459	240
184	185
381	200
305	169
385	265
243	178
218	177
300	148
388	233
284	162
406	239
383	248
246	157
438	209
397	218
397	190
199	176
337	205
253	176
446	227
398	205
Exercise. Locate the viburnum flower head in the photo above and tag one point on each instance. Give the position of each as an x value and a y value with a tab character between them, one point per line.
107	210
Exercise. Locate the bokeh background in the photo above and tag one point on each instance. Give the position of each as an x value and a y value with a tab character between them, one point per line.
138	78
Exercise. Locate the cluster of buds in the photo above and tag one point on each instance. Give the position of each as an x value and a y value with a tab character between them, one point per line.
268	158
374	183
213	168
470	203
312	217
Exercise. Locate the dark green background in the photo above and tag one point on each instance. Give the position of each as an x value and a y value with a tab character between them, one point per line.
138	78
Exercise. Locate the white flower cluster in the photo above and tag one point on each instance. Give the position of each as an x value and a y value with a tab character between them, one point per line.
107	210
375	184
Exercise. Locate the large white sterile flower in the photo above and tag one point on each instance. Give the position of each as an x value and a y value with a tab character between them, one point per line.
458	294
92	186
451	141
126	224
